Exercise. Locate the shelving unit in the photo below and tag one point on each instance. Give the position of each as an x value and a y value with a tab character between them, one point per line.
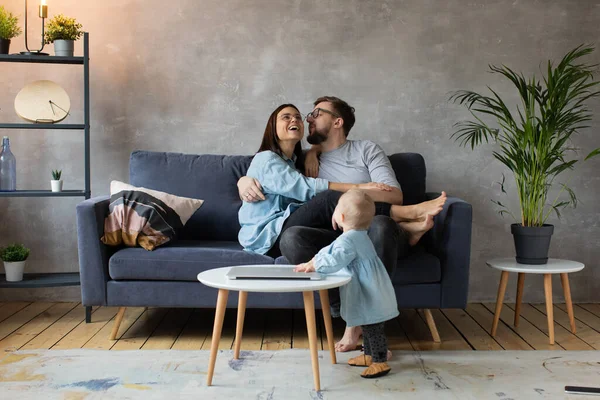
56	279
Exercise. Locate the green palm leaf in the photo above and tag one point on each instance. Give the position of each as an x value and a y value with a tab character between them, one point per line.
534	141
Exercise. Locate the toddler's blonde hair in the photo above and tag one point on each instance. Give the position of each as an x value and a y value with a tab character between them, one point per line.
358	209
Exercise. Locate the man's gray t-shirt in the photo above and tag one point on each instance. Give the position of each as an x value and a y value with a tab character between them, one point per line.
357	161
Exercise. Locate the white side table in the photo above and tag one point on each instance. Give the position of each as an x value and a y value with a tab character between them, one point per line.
554	266
217	278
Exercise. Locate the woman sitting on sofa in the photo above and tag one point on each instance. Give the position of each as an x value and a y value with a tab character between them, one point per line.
276	166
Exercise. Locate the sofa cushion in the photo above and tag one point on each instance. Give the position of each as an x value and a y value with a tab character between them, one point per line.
212	178
419	267
179	261
145	217
411	173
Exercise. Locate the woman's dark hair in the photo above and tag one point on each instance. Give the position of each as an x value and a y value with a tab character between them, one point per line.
270	141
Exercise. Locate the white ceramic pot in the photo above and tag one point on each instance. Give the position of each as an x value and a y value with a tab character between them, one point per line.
64	48
56	185
14	270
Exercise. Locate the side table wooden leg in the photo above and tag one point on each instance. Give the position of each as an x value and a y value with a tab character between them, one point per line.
324	294
520	284
311	326
499	300
239	327
564	278
216	335
549	307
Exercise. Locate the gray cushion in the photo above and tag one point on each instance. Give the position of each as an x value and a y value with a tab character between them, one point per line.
208	177
180	261
213	178
411	173
419	267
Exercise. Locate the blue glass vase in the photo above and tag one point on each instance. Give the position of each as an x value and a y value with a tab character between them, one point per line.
8	168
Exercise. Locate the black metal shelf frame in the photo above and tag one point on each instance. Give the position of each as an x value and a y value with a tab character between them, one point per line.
44	126
42	280
59	279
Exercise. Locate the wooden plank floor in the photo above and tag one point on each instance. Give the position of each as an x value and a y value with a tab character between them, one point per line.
44	325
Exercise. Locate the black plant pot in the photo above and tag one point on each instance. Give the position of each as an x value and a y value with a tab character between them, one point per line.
532	243
4	45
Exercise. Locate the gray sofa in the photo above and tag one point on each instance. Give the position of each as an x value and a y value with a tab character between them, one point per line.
436	275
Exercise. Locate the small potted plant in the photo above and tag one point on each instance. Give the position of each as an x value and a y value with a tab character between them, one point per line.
14	257
8	29
56	183
63	31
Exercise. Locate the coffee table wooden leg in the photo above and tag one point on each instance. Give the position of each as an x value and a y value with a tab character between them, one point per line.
520	284
311	327
239	327
324	294
216	335
549	307
499	300
564	278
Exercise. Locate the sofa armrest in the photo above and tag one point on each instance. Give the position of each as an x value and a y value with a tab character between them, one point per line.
450	241
93	254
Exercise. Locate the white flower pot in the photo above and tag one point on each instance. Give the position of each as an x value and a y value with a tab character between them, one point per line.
56	185
64	48
14	270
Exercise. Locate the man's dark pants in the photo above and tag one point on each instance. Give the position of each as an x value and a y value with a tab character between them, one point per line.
309	229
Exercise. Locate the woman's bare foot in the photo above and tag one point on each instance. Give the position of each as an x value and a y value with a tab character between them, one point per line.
350	339
418	212
416	230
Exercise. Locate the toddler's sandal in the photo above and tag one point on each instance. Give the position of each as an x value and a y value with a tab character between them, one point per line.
360	361
376	370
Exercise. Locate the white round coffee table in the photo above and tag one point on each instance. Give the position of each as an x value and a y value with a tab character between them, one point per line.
217	278
554	266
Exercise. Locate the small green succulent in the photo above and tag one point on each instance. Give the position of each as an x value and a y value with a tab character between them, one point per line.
62	28
14	253
9	27
56	174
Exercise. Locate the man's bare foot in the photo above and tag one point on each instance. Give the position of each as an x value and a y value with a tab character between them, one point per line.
431	207
350	339
418	212
416	230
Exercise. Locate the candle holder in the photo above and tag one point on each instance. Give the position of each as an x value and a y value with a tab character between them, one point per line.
43	13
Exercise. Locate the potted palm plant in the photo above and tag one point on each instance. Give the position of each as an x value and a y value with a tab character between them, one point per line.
534	143
9	29
14	257
63	31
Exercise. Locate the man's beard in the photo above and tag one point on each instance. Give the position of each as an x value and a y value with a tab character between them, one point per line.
317	137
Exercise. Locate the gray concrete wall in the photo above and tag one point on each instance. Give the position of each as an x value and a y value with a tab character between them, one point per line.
202	77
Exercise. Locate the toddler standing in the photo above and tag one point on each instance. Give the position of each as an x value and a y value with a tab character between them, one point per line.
368	299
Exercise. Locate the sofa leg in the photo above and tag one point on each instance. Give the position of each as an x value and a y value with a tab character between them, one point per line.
88	314
431	325
118	319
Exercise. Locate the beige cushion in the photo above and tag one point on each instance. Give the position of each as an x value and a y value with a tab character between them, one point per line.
145	217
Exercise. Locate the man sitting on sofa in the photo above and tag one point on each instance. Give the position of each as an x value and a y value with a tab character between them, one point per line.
393	230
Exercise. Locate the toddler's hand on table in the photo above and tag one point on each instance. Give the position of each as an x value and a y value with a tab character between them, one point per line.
305	267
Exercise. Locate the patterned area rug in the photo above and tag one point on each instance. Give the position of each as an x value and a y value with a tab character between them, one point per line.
287	374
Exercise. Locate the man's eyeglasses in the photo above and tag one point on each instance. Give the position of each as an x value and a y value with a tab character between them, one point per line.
314	114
